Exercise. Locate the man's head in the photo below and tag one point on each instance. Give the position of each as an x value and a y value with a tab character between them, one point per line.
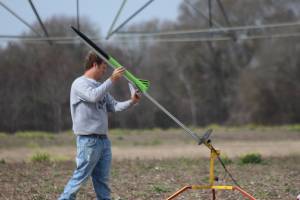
94	65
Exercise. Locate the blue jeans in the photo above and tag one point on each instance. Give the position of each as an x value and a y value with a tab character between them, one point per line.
93	159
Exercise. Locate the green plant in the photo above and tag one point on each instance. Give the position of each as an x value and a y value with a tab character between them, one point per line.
3	135
119	132
293	127
32	145
252	158
155	142
2	161
58	158
213	126
252	126
40	157
160	189
226	160
205	179
34	135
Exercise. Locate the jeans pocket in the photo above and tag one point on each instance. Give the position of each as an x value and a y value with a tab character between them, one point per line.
91	141
87	141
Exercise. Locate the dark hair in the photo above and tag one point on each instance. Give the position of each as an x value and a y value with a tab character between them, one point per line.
90	59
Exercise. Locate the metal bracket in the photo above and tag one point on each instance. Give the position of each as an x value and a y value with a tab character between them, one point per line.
206	137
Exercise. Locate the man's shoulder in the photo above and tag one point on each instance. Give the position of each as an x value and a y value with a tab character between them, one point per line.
79	79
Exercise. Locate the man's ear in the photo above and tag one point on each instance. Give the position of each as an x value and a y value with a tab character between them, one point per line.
95	64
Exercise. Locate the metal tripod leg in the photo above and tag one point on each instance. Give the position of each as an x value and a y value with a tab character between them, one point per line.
213	155
213	194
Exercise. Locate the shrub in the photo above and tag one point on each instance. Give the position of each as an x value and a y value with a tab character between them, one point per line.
40	157
252	158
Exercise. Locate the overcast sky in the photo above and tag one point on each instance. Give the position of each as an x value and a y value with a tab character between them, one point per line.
101	13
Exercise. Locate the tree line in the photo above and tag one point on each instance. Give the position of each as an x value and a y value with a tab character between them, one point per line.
225	82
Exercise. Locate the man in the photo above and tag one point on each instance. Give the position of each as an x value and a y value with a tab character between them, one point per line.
90	101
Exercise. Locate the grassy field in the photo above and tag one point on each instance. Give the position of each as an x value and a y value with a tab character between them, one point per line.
152	164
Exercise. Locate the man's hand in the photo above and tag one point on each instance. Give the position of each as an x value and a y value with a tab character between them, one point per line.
117	73
136	97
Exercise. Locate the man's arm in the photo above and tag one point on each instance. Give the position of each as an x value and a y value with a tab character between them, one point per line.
87	93
90	94
116	106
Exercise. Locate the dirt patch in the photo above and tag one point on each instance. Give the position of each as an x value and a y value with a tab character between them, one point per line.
152	165
136	179
231	149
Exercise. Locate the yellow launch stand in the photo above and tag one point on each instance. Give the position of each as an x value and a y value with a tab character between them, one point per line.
213	155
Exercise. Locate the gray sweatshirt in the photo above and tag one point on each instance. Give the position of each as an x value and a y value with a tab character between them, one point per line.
90	101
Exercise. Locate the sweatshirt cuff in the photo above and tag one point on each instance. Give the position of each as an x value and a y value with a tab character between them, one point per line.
129	102
108	82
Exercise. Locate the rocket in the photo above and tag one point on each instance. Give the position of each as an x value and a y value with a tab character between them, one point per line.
140	84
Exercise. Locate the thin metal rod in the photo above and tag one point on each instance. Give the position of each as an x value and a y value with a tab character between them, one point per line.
214	22
211	30
34	38
224	12
132	16
19	18
227	171
216	39
16	36
72	40
115	19
210	24
39	20
40	39
178	192
179	123
209	18
77	13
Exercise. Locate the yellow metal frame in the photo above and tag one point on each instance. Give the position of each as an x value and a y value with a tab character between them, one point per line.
213	155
